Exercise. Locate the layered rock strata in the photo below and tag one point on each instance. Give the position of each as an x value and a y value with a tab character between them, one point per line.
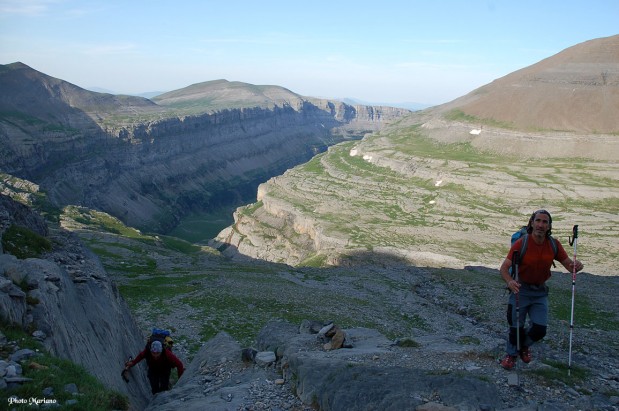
148	164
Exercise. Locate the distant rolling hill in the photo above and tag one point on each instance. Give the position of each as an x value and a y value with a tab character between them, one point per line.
218	94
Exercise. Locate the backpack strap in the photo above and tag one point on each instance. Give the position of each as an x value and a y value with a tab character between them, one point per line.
555	249
553	244
523	245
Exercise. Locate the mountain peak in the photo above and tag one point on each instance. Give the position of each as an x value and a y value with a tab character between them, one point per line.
575	90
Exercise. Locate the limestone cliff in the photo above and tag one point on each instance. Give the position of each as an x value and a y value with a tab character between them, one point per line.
151	163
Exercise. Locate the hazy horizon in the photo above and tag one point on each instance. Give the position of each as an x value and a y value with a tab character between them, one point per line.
398	52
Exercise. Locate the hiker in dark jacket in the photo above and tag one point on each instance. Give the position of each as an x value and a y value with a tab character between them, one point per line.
533	272
160	362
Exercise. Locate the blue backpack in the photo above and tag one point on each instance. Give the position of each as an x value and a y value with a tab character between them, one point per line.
163	336
525	241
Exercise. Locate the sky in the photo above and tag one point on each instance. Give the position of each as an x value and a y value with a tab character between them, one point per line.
428	52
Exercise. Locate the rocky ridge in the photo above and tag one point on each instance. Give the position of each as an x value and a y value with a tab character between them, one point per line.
373	373
426	207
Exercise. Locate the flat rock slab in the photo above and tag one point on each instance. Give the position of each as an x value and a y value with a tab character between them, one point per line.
336	380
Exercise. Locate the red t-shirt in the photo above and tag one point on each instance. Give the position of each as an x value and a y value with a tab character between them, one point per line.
534	268
166	361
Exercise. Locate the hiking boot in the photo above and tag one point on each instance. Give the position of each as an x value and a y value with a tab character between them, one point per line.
509	361
525	355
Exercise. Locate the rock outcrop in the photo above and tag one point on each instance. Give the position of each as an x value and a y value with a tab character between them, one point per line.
76	309
341	380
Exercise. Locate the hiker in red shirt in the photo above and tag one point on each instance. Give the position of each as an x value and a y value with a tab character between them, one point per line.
530	291
160	362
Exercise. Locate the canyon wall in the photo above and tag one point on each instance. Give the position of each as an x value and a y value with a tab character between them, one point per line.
150	165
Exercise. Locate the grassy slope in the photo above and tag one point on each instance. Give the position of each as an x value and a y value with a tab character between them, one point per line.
46	371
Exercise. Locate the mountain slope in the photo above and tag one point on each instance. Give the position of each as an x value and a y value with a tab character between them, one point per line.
36	94
575	90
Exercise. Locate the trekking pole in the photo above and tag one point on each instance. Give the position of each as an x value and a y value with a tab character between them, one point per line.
516	257
573	241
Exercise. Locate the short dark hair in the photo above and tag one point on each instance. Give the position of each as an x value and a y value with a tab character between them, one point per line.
530	225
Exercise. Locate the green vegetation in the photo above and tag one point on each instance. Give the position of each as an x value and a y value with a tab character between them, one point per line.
250	209
131	267
47	371
27	193
156	289
318	260
24	243
200	228
239	302
21	118
408	343
411	141
459	115
176	244
558	371
314	165
103	221
468	340
587	315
